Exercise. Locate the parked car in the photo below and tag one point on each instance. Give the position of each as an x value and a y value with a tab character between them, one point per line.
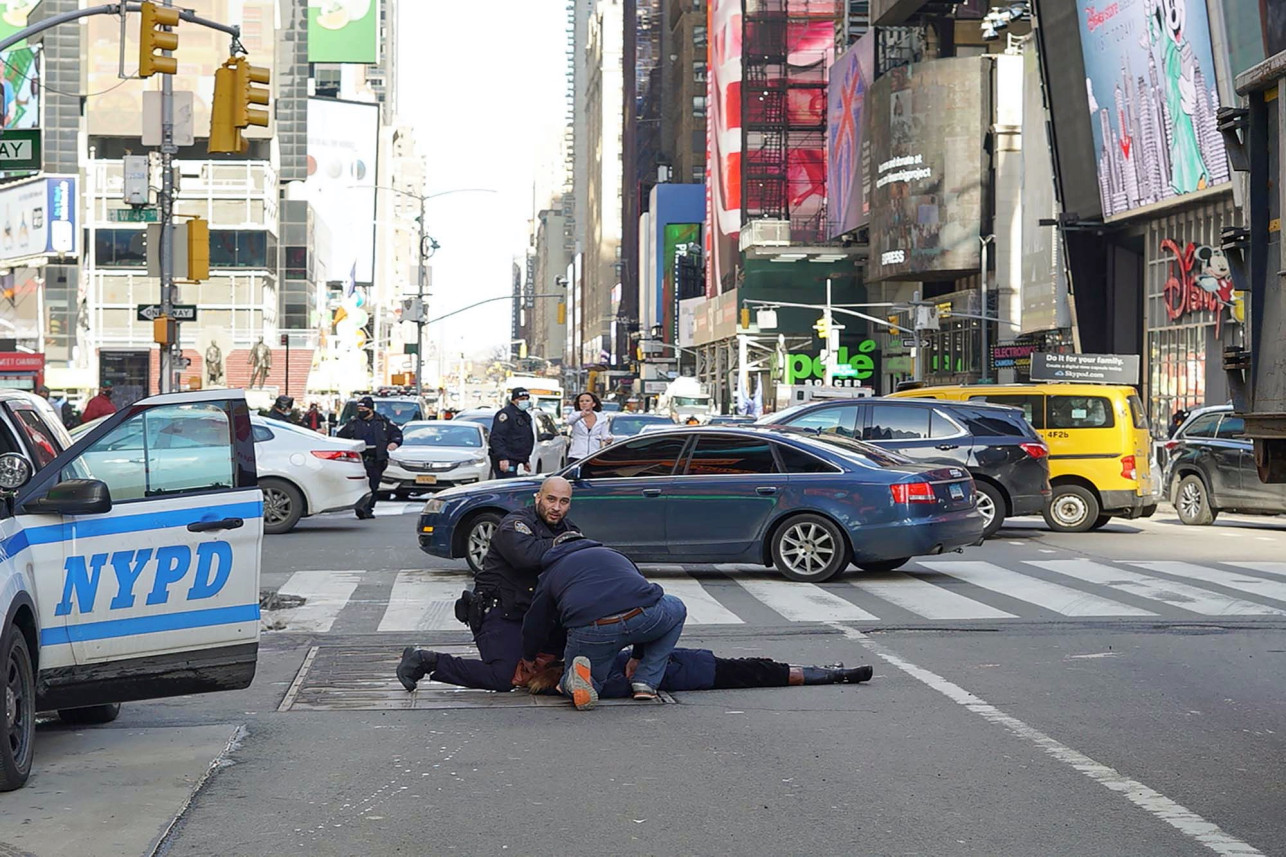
437	453
398	409
550	450
1100	448
1007	458
181	613
303	473
808	504
622	424
1211	469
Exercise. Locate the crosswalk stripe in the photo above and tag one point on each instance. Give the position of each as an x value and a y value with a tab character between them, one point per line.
324	592
1042	593
924	599
1275	568
1242	583
804	602
703	608
1181	595
423	600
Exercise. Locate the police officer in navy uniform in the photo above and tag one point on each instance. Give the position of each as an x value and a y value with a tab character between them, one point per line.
381	437
502	595
512	439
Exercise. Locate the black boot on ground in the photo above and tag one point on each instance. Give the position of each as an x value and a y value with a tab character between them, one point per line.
415	665
835	674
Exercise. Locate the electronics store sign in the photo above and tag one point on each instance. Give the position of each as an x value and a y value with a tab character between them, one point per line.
1086	368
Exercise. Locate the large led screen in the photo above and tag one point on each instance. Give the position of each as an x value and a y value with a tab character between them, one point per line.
927	175
848	155
343	137
723	140
1152	98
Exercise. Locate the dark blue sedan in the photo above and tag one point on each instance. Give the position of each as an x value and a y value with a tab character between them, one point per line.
808	504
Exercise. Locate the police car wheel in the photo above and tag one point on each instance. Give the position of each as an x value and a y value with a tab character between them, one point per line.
283	506
90	714
19	689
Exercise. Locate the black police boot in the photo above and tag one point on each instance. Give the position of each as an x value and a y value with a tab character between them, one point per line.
834	674
415	665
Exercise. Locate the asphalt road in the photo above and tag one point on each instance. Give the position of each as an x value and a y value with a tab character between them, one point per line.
1118	692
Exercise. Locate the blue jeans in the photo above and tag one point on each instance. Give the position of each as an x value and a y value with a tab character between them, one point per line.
655	631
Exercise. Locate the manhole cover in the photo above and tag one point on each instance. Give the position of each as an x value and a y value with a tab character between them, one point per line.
337	678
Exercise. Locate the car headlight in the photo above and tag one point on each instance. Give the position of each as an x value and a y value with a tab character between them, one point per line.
434	507
481	459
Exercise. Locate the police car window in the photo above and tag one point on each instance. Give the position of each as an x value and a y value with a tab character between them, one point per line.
39	437
260	433
646	456
729	456
165	450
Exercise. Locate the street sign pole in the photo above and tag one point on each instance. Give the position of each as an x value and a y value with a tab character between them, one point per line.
169	365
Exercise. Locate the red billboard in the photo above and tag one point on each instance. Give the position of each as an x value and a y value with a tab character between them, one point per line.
723	140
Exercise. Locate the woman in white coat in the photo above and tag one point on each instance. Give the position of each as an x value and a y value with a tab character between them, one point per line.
589	428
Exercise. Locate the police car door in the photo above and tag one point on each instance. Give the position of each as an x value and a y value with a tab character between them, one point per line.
157	595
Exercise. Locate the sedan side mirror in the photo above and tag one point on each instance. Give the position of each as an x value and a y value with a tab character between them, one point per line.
73	497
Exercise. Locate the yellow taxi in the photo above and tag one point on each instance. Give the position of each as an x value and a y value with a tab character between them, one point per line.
1099	446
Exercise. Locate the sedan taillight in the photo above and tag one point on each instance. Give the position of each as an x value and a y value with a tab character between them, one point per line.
1035	450
338	455
1128	470
913	492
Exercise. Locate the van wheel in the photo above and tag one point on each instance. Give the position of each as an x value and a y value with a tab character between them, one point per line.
992	506
1192	502
809	548
90	715
1100	522
1071	509
19	732
283	506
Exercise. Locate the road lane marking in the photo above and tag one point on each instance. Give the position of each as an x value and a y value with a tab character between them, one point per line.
924	599
1042	593
424	600
324	592
804	602
1181	595
703	608
1242	583
1153	802
1275	568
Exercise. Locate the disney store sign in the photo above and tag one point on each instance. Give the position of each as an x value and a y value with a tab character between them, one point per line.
1200	280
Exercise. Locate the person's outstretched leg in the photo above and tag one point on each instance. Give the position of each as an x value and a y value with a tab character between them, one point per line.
499	642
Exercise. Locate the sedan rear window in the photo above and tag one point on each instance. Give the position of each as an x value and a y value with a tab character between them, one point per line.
730	456
857	449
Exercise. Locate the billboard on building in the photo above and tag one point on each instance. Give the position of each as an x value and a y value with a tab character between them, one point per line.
116	110
38	218
1150	80
21	82
927	169
343	31
723	140
1044	291
848	155
343	137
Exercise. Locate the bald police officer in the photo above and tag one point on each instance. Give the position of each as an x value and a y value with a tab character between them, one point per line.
502	594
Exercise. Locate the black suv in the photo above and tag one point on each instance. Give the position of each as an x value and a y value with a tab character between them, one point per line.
1007	458
1210	467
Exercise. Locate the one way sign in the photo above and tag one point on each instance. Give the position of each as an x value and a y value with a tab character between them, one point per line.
20	150
180	312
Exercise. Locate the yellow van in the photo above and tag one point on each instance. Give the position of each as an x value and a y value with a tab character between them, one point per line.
1099	446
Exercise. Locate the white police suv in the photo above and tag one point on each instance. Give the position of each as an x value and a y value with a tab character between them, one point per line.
129	559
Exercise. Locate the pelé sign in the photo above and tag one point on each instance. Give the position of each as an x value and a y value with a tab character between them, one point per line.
857	365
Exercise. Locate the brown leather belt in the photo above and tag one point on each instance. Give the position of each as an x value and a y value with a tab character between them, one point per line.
612	620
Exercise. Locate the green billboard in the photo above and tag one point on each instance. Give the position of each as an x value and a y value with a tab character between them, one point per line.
343	31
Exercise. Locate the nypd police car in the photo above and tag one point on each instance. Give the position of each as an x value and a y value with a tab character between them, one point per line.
129	559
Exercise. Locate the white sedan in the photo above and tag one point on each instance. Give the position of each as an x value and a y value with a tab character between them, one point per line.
437	454
549	452
304	473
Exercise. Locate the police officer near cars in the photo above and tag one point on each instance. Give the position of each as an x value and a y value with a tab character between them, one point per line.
381	437
512	439
282	409
502	595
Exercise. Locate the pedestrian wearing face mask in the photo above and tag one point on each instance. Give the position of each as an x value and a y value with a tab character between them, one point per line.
512	439
381	437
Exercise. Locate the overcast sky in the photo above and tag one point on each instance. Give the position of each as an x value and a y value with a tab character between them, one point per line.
483	83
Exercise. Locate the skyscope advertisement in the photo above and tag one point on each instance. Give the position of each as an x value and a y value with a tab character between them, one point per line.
927	175
848	154
1152	98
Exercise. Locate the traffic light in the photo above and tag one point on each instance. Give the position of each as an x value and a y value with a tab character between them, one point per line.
562	313
894	328
251	88
198	249
944	310
151	39
225	136
822	327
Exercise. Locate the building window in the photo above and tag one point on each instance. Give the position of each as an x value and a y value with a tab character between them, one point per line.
296	263
120	248
699	106
242	248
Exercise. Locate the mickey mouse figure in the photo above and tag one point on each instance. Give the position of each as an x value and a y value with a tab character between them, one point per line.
1214	273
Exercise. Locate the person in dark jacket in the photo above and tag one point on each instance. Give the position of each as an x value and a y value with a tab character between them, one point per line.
702	669
381	437
605	603
502	595
283	409
314	418
512	439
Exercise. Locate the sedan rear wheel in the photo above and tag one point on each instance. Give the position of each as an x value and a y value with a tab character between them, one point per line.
283	506
809	548
19	689
1192	502
481	530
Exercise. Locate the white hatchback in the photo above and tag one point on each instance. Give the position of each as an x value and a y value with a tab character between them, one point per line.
304	473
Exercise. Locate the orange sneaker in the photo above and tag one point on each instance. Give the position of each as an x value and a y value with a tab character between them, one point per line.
580	685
